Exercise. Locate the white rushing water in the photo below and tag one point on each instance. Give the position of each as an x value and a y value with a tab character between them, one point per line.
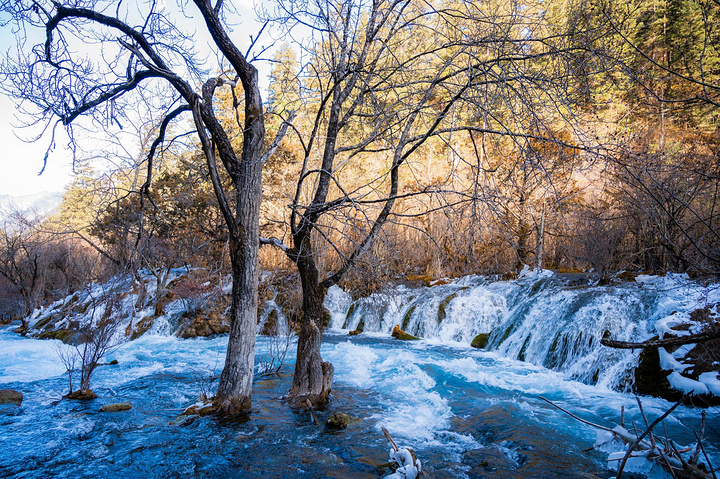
467	412
538	319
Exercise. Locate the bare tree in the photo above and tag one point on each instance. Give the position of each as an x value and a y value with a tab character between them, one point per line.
144	52
90	342
383	80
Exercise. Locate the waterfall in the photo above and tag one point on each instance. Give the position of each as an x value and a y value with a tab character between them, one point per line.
547	320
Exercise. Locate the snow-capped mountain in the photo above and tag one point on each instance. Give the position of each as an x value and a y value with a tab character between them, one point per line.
33	206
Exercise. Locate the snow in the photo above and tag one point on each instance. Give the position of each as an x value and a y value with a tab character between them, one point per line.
407	469
528	272
686	385
669	363
711	381
664	326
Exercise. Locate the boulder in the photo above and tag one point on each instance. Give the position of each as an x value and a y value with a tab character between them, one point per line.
398	333
120	406
81	395
10	396
340	420
480	341
205	325
271	326
354	332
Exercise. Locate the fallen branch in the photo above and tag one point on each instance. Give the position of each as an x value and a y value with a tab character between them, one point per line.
390	439
598	426
662	452
648	431
661	343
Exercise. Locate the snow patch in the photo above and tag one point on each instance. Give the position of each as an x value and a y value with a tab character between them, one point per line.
686	385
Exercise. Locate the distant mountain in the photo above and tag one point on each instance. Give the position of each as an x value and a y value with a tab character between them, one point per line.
34	206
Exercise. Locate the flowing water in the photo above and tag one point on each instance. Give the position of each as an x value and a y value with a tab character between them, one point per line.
468	413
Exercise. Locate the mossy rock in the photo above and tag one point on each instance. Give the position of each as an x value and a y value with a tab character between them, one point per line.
442	307
44	322
354	332
387	468
480	341
398	333
200	410
141	327
523	350
116	407
408	316
351	310
204	326
61	334
340	420
81	395
270	327
10	396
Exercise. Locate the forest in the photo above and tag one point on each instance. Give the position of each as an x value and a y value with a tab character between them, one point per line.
394	143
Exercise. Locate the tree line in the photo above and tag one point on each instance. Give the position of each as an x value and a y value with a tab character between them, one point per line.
399	139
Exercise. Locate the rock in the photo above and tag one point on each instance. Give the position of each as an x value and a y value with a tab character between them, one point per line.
652	380
10	396
121	406
387	468
81	395
270	327
61	334
113	362
480	341
354	332
209	325
398	333
140	328
340	420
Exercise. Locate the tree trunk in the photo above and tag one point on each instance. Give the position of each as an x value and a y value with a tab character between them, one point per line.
313	377
235	386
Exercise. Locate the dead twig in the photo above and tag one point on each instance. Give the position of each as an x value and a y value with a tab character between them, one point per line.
312	411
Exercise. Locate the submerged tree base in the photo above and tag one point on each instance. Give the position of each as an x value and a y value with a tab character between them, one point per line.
230	410
299	398
232	407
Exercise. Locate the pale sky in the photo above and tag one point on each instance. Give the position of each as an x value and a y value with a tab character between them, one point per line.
21	162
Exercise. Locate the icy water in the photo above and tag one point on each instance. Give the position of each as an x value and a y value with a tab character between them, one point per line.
467	413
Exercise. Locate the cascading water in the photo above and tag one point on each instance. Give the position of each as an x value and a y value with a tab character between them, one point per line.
468	413
540	319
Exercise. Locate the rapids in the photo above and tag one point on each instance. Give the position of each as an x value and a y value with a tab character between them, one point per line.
468	413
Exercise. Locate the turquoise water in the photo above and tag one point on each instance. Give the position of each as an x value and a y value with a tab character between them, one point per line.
467	413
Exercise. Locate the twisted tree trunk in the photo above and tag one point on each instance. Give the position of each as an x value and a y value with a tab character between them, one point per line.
313	377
